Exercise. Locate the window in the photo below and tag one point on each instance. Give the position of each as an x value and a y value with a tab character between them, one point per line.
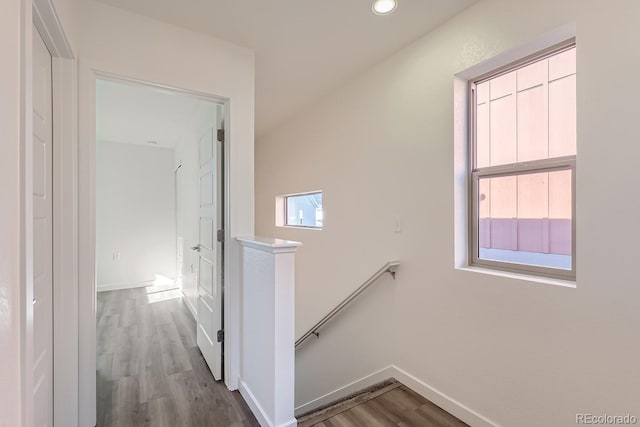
302	210
523	161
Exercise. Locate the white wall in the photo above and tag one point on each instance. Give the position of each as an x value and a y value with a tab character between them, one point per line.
186	154
10	248
118	42
517	352
135	214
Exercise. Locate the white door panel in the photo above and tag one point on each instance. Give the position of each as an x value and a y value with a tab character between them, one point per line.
206	148
207	232
206	320
42	235
209	249
206	190
206	276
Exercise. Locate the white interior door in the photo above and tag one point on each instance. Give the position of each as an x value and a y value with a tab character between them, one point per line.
210	249
42	235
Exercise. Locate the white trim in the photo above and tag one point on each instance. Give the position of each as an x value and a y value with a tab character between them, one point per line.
344	391
48	24
87	249
254	405
120	286
26	213
268	244
520	276
190	306
42	15
231	316
300	227
430	393
257	410
444	401
65	242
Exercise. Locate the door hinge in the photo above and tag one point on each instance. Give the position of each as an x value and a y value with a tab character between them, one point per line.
221	335
220	235
221	135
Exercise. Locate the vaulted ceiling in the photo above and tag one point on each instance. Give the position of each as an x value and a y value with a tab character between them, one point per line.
303	48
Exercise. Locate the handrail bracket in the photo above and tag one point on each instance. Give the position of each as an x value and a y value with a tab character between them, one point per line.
392	273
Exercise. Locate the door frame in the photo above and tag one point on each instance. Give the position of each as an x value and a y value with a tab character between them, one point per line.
176	222
88	76
42	15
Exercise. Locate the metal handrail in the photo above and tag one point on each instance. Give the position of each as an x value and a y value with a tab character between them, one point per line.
389	267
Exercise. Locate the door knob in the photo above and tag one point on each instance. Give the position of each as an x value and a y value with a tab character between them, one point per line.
196	248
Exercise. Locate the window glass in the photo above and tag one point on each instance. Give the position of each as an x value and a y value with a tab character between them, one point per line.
528	113
526	219
304	210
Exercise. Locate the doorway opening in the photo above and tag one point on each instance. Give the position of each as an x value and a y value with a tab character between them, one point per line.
160	219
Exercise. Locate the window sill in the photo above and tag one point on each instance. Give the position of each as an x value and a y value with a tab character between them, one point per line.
299	227
520	276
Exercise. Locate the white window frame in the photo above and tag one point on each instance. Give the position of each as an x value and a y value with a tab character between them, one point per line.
282	208
515	169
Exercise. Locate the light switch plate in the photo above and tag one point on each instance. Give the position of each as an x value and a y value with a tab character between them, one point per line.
397	224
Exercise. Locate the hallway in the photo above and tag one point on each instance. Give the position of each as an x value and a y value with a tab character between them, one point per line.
150	371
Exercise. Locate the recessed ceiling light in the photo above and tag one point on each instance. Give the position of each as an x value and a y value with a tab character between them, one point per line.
384	7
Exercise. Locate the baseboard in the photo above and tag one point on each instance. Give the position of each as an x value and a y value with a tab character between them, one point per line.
191	308
254	405
257	410
432	394
130	285
447	403
121	286
291	423
355	386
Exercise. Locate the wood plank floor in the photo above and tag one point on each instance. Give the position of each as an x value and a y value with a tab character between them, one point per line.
393	406
149	369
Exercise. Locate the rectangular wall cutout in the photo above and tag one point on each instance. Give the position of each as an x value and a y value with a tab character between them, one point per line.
303	210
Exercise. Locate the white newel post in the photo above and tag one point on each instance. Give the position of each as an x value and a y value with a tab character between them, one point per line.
267	374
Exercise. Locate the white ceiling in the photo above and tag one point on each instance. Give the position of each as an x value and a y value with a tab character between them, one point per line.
303	48
136	114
